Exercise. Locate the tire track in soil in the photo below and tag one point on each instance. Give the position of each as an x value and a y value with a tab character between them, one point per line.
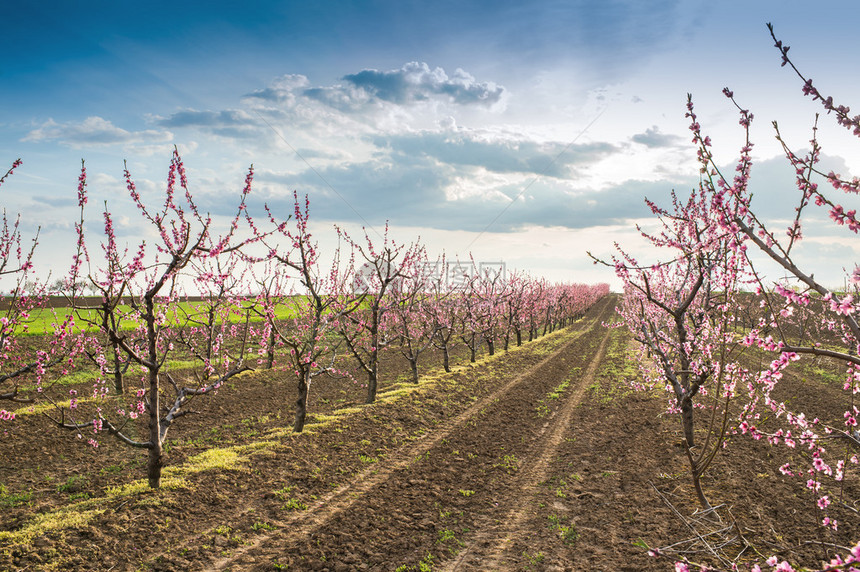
304	525
487	550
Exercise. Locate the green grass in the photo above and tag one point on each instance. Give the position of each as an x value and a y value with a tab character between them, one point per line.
616	369
73	484
10	500
566	532
42	320
542	409
509	463
424	565
295	504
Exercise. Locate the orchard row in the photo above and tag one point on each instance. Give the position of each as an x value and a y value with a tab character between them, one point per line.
258	295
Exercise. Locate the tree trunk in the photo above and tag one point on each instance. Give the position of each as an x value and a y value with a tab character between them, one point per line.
270	353
687	421
689	440
446	359
414	364
109	323
697	483
371	383
155	463
491	346
118	384
156	449
697	479
302	402
519	337
373	375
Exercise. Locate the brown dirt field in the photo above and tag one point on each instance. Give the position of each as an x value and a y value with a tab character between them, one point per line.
496	466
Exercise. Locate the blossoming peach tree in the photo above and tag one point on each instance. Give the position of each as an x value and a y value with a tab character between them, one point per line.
680	311
415	315
802	316
798	315
21	296
367	331
320	301
139	315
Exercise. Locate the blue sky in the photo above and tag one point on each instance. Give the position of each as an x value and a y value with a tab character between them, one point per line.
526	132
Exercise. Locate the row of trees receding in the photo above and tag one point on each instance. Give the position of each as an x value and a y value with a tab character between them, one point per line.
259	294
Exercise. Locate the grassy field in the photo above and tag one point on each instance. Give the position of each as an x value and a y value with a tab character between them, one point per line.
45	320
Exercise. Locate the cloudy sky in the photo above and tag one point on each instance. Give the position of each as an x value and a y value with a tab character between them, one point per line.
523	132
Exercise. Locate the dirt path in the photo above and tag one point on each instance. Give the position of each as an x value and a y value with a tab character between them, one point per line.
488	550
455	497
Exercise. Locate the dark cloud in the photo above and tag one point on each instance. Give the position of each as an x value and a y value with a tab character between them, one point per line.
415	81
548	205
411	191
654	139
227	123
499	155
416	179
372	191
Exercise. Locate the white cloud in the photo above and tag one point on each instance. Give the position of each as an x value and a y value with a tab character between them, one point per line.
282	90
94	131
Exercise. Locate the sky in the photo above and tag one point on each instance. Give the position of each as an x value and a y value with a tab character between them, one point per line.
520	132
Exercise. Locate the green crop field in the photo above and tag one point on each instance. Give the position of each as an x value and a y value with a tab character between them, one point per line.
45	320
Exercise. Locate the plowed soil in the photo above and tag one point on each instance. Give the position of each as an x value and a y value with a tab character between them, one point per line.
539	458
